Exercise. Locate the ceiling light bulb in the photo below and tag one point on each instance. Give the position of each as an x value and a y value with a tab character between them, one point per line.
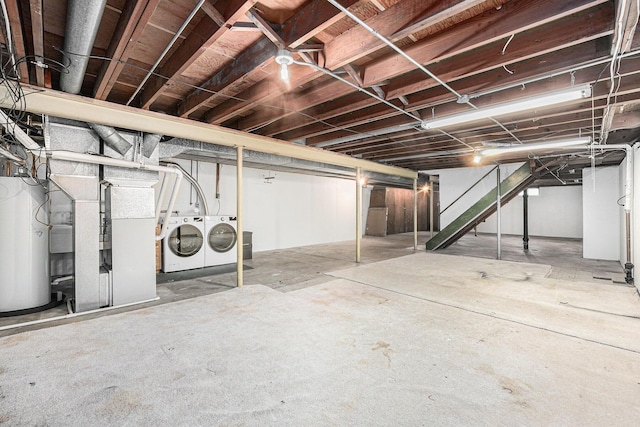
477	158
363	182
285	59
284	72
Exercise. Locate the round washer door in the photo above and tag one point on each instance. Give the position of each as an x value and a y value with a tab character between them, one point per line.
185	240
222	237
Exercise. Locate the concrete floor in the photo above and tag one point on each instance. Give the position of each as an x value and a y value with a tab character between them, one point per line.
296	268
402	339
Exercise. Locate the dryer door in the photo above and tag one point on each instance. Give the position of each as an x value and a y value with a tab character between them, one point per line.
185	240
222	237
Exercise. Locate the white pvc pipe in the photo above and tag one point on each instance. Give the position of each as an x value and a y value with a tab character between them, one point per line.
100	160
9	155
498	214
18	133
73	315
161	196
358	213
37	150
239	217
415	214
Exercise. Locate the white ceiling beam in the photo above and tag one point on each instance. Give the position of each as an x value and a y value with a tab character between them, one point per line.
74	107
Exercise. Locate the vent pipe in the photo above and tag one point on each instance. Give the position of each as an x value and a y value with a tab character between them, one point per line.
111	138
83	21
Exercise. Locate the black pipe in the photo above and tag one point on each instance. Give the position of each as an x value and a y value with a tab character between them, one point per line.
525	210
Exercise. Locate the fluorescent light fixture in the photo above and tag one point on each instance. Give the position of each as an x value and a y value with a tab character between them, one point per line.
285	59
558	143
566	95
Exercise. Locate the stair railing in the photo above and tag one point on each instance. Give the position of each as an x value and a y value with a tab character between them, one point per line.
469	189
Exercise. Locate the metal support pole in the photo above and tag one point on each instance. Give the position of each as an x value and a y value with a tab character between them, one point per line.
525	226
628	266
239	228
358	212
415	214
432	193
498	208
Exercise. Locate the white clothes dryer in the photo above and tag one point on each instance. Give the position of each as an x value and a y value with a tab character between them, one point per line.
183	246
220	240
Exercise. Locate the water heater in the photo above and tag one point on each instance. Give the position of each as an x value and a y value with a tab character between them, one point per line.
24	248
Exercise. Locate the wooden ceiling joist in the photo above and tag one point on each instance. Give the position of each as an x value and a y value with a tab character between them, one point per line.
292	32
133	20
197	42
20	51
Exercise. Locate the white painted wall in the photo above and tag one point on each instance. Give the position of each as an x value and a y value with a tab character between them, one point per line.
555	212
291	210
601	222
565	204
454	182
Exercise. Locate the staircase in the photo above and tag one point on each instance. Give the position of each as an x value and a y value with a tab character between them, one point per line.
483	208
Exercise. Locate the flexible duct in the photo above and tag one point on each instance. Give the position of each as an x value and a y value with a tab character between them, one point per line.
111	138
83	21
194	183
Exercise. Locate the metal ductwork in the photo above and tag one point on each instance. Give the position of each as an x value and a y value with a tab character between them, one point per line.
149	144
112	138
83	21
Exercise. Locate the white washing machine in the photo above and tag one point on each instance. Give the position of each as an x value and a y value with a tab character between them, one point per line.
183	246
220	240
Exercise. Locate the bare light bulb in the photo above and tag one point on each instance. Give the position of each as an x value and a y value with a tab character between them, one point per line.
477	158
284	72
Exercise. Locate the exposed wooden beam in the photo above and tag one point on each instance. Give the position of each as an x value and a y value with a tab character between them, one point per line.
358	42
197	42
630	84
294	32
456	70
266	28
295	102
355	76
626	23
37	30
312	19
514	17
589	24
542	127
533	43
246	62
213	13
264	92
134	18
18	39
579	111
46	101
